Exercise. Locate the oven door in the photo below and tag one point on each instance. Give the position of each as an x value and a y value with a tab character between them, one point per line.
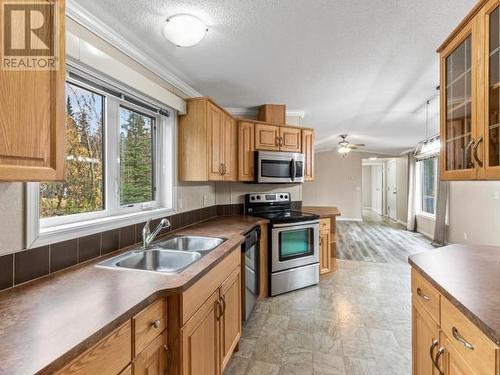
294	245
280	167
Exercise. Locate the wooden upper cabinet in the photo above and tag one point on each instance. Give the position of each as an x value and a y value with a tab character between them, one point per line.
32	115
470	100
207	143
230	146
290	139
246	149
308	150
215	142
267	137
273	113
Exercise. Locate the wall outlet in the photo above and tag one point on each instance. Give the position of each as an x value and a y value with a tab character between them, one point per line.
465	236
496	195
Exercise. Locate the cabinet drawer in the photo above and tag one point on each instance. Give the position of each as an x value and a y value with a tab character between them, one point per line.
108	357
149	323
476	349
324	225
426	294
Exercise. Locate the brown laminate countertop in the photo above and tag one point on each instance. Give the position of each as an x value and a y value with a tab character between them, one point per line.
469	276
322	211
48	322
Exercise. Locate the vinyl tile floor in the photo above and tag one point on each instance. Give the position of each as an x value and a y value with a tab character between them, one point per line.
357	321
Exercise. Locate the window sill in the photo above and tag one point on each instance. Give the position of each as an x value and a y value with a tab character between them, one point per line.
47	236
427	216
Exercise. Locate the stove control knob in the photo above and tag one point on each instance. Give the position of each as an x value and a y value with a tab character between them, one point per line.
281	196
252	198
286	196
258	197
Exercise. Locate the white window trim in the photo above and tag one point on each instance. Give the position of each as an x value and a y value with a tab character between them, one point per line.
419	192
94	222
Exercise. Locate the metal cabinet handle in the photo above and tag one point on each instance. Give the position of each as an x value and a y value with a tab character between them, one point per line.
281	141
431	351
461	339
474	152
156	323
439	353
224	306
422	295
224	169
276	141
219	309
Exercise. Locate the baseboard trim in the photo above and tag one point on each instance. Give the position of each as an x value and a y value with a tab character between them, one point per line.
348	219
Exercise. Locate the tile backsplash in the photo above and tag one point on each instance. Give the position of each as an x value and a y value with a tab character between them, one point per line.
31	264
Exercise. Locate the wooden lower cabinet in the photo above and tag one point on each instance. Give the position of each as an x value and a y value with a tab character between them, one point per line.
444	341
230	320
324	252
213	332
425	335
200	338
153	359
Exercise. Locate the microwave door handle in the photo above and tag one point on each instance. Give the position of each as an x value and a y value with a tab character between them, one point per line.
293	171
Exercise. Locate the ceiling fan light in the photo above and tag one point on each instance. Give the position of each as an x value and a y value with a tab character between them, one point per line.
343	150
184	30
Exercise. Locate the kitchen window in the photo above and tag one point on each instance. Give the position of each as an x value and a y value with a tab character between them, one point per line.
119	163
428	185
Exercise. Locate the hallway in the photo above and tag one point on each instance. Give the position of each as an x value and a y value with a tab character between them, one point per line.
377	239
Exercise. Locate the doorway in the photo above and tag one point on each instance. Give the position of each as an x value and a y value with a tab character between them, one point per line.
392	189
373	187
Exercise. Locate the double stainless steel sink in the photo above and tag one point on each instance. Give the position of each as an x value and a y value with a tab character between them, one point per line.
171	255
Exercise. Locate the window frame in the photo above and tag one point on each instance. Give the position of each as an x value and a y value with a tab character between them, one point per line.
419	196
43	231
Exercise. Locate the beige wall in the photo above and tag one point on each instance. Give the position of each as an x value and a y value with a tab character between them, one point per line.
337	183
474	209
234	192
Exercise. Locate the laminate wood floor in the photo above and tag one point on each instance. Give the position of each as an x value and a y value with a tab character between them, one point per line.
377	239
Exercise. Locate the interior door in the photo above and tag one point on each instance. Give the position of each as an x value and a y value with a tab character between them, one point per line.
215	129
377	188
392	189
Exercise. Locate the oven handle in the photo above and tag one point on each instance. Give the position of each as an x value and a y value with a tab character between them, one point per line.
298	224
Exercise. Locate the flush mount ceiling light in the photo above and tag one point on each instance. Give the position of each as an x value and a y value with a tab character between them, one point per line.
184	30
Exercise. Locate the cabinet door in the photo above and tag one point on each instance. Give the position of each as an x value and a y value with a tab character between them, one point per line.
215	130
490	158
425	335
200	340
290	139
230	146
153	359
32	104
230	321
459	106
325	257
267	137
308	150
452	362
246	148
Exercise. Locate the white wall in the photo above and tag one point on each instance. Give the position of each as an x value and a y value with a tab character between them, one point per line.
337	183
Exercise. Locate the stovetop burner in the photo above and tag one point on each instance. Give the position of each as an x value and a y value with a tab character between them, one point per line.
275	207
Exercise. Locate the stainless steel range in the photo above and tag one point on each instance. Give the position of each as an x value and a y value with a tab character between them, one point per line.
293	241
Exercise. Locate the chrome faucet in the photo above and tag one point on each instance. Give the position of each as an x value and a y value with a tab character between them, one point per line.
148	237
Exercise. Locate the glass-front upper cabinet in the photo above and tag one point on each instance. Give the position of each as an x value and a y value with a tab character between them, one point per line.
491	165
470	96
458	106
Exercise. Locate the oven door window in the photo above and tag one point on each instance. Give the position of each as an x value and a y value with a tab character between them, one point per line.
275	168
296	243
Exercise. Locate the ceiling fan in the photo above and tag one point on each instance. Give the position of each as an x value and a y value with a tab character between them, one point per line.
346	147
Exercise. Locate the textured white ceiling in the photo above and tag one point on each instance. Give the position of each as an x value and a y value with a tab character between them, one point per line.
362	67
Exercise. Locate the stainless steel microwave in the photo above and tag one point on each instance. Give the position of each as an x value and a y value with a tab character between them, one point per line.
279	167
